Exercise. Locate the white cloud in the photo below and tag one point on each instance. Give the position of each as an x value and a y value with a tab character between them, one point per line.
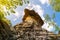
16	14
50	28
15	19
44	1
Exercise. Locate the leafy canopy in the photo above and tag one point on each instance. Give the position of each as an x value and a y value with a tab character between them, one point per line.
55	5
8	6
50	21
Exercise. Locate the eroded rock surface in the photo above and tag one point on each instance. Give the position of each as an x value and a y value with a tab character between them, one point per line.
30	28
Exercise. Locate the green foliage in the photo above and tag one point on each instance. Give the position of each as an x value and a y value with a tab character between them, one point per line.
53	16
47	18
1	15
9	5
50	21
57	28
55	5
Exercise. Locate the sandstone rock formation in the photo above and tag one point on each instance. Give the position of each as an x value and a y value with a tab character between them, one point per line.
31	15
30	28
31	19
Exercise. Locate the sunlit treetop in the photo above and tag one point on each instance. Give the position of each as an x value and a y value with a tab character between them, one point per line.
55	5
7	6
12	3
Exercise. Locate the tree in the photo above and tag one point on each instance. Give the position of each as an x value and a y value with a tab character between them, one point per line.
55	5
7	6
50	21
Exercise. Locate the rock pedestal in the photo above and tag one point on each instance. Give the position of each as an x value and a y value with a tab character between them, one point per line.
30	28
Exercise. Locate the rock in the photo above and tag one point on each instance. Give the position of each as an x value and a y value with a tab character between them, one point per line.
30	28
32	16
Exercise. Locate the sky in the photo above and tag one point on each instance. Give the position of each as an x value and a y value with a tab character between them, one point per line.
41	7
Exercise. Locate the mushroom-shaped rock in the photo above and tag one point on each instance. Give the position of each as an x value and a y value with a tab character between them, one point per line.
31	16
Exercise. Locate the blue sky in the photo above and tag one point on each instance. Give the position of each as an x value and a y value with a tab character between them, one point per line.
40	6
